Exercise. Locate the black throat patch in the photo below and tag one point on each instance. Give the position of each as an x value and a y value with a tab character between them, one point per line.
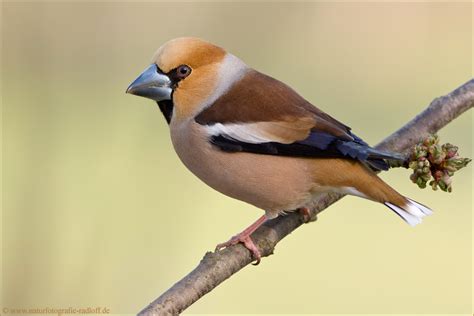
166	107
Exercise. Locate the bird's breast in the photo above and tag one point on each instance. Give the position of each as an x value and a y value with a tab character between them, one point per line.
273	183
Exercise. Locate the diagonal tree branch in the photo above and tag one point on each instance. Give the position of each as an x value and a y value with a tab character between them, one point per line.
215	268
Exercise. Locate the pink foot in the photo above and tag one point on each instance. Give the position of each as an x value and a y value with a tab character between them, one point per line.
248	243
306	214
244	237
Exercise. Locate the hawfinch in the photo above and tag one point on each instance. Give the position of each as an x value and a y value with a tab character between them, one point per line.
253	138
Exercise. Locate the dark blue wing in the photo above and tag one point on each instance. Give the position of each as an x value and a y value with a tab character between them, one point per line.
317	145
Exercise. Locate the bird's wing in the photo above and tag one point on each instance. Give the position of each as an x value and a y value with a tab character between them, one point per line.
262	115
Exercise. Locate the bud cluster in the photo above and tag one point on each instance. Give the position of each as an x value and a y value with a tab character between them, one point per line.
430	160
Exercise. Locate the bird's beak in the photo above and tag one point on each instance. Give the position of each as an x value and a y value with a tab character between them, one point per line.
151	84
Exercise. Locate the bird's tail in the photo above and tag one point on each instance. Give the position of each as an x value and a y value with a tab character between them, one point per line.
374	188
355	178
411	212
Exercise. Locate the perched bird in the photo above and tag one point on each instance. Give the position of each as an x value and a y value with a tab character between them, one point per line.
253	138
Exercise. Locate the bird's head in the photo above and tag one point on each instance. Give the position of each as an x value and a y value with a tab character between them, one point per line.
183	74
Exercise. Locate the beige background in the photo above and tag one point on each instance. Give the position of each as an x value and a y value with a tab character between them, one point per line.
99	211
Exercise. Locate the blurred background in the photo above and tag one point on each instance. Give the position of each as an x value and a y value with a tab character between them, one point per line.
99	211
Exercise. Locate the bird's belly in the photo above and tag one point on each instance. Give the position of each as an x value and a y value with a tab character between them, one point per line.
272	183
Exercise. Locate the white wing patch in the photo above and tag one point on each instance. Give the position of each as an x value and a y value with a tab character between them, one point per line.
253	133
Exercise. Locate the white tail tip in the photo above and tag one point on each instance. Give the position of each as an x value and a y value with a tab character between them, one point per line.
412	212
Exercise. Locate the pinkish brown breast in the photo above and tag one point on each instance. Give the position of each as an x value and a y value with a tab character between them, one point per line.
272	183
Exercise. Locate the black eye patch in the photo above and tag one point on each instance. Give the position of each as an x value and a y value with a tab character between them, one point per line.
177	74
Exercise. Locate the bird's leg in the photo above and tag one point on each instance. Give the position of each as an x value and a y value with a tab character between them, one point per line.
244	237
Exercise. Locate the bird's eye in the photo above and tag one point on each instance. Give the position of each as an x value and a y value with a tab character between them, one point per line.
183	71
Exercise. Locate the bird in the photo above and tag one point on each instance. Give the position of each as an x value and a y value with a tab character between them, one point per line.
255	139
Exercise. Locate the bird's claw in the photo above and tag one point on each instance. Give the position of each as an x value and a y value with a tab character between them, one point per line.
248	243
306	214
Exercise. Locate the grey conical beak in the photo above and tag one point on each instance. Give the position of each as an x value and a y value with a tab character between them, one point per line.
151	84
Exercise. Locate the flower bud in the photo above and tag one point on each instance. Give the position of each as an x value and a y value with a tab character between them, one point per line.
413	165
435	164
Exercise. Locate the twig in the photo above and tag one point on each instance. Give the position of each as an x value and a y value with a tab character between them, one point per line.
214	268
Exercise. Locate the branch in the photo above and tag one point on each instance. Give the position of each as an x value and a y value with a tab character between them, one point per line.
216	267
